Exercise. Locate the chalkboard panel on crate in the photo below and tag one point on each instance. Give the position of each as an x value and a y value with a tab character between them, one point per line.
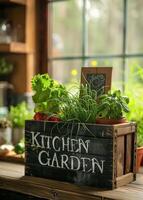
84	154
98	78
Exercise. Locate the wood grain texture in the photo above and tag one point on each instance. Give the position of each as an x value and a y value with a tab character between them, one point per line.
12	179
13	47
120	155
125	179
126	130
6	195
128	154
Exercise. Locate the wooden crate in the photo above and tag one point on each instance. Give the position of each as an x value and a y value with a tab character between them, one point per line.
103	156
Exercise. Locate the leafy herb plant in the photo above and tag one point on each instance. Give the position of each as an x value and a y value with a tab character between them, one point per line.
18	114
48	94
52	99
112	105
81	107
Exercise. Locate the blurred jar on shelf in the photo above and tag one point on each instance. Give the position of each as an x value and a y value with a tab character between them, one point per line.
6	30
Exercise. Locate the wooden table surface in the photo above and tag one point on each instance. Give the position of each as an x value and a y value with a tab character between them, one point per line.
12	178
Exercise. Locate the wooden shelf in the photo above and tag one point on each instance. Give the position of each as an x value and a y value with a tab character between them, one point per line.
18	2
22	55
14	47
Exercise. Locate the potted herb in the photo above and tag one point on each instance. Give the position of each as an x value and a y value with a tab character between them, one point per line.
18	114
80	107
6	69
111	108
5	131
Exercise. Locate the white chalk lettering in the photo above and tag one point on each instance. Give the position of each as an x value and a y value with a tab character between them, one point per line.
83	144
95	162
40	158
71	162
48	138
75	162
42	141
34	139
54	143
74	143
55	160
64	160
65	144
84	164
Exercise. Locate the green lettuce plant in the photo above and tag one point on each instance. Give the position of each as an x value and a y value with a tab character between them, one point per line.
47	94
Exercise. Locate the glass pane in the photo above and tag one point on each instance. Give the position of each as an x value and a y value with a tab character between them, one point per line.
67	72
134	72
67	28
135	27
105	26
134	90
117	73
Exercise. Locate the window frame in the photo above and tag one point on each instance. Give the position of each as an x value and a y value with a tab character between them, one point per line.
45	40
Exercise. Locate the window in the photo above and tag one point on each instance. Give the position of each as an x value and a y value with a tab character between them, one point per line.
94	33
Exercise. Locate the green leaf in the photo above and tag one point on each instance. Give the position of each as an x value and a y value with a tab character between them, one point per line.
47	90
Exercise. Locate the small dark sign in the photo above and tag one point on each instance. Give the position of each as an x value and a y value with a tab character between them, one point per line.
98	78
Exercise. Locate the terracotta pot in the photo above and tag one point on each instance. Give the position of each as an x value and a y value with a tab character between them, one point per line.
139	158
110	121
